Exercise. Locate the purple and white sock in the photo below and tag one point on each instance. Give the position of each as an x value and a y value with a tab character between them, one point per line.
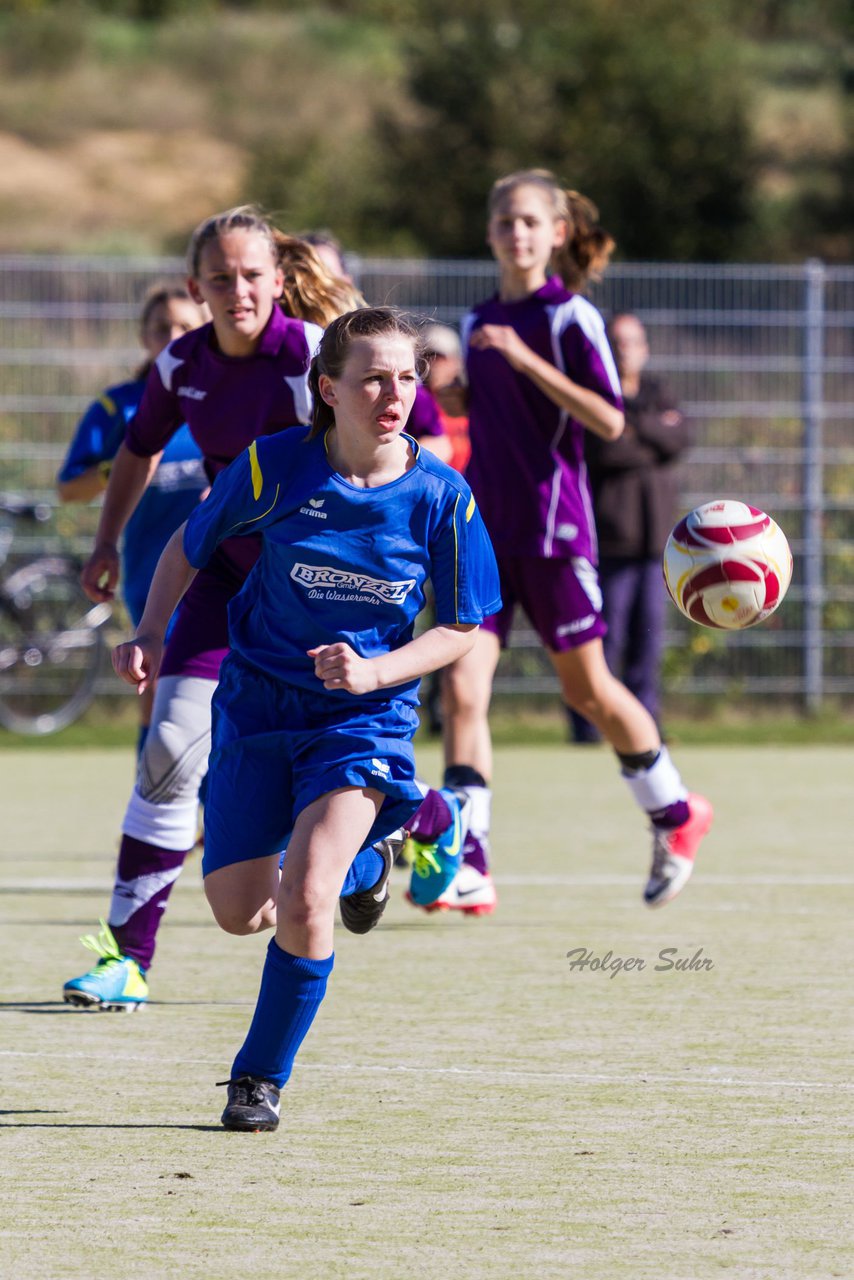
660	791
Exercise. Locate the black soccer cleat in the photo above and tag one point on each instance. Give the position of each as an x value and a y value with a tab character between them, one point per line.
361	911
253	1105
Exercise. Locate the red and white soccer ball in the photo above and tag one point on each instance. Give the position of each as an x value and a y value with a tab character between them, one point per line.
727	565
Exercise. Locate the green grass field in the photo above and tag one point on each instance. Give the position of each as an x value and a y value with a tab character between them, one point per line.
466	1105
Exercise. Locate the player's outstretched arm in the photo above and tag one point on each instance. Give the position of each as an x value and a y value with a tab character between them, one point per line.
129	478
338	666
138	660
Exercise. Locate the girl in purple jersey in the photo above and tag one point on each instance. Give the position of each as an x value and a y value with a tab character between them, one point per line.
540	374
242	376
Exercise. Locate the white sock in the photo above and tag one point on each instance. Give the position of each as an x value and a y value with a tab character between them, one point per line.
659	786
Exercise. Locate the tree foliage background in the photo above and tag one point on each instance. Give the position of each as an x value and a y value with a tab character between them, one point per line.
706	131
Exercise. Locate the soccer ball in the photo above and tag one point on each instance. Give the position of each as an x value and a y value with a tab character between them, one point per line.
727	565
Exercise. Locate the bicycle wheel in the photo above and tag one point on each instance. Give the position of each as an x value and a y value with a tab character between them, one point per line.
51	647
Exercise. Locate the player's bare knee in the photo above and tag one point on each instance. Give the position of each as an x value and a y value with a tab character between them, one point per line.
462	696
307	904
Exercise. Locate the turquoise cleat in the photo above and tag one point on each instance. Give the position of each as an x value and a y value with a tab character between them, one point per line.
435	865
116	982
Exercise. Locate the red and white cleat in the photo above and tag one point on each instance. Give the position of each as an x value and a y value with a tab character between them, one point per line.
674	851
470	891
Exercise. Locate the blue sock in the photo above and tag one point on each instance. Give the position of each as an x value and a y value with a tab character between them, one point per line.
363	873
292	988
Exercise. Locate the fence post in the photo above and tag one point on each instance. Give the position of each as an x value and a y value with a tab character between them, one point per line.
813	479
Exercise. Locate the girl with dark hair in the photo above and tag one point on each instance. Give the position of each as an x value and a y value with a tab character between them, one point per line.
314	714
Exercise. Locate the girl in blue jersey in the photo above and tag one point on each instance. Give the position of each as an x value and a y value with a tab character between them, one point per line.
540	376
315	711
177	484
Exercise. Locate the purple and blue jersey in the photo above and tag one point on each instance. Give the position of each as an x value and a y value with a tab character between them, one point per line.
527	468
339	562
173	493
227	402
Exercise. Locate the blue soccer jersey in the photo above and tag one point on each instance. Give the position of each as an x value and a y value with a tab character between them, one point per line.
341	563
173	493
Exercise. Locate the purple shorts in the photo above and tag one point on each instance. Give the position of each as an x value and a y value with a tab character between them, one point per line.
562	599
198	641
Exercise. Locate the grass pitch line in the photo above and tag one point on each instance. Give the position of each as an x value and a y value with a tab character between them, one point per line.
606	880
712	1081
48	884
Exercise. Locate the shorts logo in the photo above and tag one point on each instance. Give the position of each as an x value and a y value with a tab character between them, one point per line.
380	767
571	628
324	582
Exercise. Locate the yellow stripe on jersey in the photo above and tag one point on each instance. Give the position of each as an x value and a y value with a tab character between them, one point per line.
257	486
255	468
108	403
470	509
456	565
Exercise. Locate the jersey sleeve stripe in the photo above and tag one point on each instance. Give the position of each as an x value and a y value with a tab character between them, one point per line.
470	509
108	403
456	563
255	468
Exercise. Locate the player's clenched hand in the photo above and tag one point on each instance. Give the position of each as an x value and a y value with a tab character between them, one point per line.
502	338
340	667
137	661
100	575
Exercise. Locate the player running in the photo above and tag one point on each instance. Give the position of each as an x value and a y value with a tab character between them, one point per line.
243	375
168	312
315	710
541	374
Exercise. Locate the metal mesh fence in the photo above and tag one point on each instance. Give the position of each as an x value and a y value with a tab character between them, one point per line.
761	359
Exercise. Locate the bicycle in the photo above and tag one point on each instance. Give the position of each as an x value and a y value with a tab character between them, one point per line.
51	639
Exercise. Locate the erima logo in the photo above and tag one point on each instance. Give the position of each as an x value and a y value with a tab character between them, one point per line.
192	393
312	508
568	531
333	582
380	766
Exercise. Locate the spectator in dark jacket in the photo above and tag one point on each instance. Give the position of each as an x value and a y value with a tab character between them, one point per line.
635	498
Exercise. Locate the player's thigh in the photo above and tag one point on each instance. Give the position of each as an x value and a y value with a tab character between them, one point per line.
327	835
176	750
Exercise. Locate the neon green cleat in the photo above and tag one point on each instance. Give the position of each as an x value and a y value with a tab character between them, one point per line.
116	982
434	865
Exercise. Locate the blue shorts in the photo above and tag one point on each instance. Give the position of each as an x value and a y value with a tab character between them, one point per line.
276	748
